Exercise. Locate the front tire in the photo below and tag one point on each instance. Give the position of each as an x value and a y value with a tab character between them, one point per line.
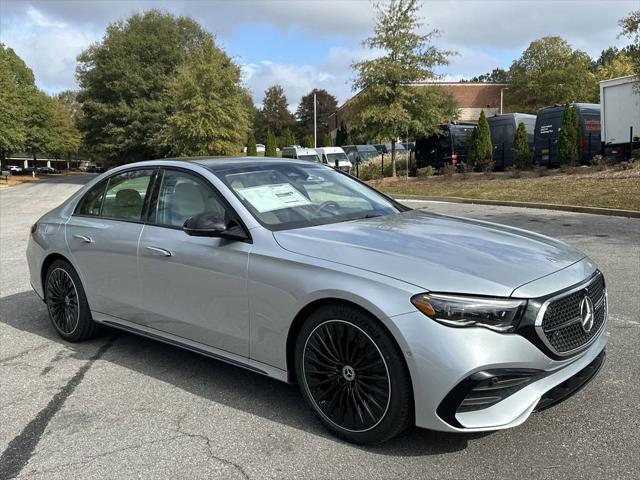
352	374
67	303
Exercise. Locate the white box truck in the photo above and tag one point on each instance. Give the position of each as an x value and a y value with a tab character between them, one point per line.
620	115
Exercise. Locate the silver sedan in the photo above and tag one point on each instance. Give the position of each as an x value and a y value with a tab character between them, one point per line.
385	316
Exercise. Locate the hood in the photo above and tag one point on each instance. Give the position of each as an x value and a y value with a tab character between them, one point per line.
436	252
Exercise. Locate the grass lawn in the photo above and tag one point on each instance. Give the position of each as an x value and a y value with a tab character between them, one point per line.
608	188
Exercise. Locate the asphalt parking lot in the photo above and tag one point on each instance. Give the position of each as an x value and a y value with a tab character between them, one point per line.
121	406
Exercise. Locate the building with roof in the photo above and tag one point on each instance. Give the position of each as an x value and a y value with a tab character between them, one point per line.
471	98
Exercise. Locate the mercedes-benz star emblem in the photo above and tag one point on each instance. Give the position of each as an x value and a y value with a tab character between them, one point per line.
348	373
586	314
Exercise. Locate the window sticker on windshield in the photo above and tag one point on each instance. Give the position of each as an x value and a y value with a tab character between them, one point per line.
266	198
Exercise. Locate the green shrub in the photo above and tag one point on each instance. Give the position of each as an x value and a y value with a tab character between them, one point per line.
425	172
569	138
288	138
327	141
369	171
252	151
522	155
308	141
270	145
480	154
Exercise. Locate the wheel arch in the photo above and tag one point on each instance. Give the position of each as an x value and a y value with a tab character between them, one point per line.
311	307
46	263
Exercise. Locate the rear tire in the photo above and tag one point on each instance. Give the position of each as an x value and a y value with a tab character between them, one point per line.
67	303
353	375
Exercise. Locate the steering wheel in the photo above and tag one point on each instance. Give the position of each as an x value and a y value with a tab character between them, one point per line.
326	205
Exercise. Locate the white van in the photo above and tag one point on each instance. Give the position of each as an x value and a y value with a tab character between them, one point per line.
300	153
329	155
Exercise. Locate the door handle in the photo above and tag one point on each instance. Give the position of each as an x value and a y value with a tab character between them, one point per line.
83	238
159	251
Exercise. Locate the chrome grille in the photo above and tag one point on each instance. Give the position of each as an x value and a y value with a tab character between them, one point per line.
559	322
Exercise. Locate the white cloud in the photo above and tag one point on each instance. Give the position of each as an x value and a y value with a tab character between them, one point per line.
49	34
48	46
297	80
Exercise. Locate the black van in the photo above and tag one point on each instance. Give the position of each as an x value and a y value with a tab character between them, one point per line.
548	122
450	145
503	132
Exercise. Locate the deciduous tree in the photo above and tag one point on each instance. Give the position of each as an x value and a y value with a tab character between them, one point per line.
16	85
65	138
124	80
387	102
549	72
631	28
208	114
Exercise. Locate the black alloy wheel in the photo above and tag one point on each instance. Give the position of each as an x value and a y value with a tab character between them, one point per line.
67	303
353	374
62	301
346	375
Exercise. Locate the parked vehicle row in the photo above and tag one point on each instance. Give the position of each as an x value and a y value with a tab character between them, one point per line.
17	170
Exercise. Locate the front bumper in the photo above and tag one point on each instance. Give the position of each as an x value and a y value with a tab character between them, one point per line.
440	358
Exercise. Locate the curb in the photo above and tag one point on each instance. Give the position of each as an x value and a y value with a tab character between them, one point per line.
506	203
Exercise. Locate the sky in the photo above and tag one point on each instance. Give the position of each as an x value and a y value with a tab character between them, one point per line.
306	44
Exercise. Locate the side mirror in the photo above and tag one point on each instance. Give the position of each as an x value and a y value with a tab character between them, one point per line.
211	224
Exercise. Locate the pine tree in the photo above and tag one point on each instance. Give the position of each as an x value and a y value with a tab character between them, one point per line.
289	139
308	141
569	139
327	141
270	145
407	55
522	155
252	150
484	151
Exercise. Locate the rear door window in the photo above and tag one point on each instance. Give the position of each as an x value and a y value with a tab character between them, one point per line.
91	203
125	195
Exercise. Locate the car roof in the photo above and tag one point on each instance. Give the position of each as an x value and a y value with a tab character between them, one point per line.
223	163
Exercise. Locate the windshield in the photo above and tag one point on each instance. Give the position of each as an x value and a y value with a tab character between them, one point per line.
282	196
332	157
309	158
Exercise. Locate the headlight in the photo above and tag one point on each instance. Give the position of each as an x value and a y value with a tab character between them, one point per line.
460	311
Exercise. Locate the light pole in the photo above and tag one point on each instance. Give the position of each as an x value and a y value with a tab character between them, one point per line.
315	133
502	97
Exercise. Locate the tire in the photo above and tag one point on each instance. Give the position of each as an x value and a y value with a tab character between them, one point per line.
353	375
67	303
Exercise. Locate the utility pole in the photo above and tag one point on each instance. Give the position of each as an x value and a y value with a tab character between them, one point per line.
315	133
502	97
